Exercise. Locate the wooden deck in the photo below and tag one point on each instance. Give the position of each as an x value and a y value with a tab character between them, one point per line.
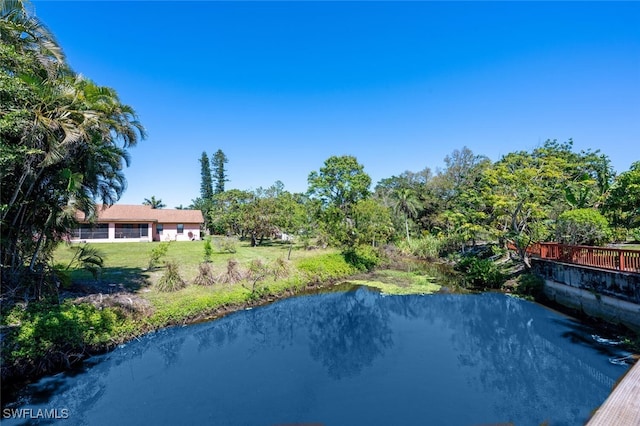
622	407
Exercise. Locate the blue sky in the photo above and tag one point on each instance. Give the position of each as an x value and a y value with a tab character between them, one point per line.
280	87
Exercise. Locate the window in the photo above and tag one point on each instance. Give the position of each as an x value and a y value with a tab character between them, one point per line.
180	228
132	230
88	231
159	228
125	230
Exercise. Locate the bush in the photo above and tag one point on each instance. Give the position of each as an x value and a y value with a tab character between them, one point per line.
157	253
280	268
530	285
258	271
583	226
205	275
233	273
480	272
171	279
363	257
56	333
208	250
88	258
228	244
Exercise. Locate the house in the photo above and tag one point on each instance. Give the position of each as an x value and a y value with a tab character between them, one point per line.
123	223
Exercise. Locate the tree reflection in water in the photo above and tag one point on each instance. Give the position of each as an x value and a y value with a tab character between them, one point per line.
349	332
347	358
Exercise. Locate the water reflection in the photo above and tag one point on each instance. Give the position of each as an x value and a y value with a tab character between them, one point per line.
348	358
347	333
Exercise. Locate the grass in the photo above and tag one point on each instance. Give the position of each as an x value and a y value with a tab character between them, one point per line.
124	260
126	267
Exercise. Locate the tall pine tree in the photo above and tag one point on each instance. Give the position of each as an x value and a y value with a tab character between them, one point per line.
219	173
206	182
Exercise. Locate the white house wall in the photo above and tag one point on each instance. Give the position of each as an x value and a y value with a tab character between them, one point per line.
170	232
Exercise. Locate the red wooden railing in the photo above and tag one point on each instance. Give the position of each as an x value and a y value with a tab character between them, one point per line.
599	257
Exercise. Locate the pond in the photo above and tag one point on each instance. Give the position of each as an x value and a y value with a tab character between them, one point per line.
347	358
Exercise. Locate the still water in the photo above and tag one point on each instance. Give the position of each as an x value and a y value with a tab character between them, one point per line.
348	358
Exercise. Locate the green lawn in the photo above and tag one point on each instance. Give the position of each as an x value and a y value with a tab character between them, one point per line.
127	263
126	267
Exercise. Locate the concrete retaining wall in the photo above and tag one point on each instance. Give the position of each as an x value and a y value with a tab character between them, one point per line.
610	295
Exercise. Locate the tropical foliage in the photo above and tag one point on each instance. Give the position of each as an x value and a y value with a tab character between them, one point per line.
338	186
582	226
622	206
63	142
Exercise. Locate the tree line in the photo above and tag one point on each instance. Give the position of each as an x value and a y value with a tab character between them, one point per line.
551	193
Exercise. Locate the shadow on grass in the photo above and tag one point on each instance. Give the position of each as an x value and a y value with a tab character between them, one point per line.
112	280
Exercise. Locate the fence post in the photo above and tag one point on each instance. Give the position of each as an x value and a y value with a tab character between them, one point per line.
621	266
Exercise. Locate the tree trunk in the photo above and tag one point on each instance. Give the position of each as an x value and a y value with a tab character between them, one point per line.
406	226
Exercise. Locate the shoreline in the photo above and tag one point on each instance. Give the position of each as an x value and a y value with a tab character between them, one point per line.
13	382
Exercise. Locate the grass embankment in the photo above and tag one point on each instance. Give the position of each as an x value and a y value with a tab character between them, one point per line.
125	302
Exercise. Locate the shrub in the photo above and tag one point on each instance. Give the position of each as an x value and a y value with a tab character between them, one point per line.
85	257
583	226
171	279
362	257
480	272
157	253
233	274
228	244
280	268
258	270
205	275
88	258
530	285
55	334
208	250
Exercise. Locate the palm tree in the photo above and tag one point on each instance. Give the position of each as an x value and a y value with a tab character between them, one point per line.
63	143
19	28
405	202
154	203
